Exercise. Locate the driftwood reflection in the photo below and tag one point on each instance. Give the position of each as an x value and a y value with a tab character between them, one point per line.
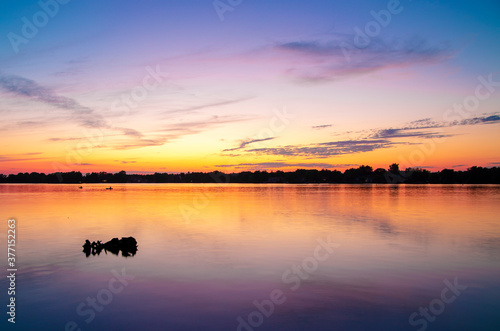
127	246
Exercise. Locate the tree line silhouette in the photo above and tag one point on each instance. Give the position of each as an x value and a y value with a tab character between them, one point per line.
362	174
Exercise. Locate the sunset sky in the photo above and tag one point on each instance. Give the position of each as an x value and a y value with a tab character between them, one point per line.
198	85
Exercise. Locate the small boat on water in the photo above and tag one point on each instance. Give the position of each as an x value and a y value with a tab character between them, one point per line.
80	187
109	188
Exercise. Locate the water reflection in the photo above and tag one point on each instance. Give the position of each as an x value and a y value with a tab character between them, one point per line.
208	252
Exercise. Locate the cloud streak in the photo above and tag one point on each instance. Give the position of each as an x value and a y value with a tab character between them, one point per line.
406	133
175	131
83	116
326	149
29	89
322	61
207	105
375	139
20	157
320	127
275	165
24	87
245	143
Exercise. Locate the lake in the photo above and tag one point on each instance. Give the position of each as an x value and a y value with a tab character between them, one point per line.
255	257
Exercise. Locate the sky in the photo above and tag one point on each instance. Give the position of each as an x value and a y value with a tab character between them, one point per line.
237	85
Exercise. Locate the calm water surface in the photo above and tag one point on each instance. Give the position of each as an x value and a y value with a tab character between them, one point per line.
210	254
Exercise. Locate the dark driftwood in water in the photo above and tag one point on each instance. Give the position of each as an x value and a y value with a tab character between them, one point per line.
127	245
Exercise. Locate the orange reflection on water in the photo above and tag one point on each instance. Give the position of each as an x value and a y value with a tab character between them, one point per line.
269	226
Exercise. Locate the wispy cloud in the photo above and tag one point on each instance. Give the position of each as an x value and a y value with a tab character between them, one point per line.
274	165
327	60
428	128
29	89
327	149
54	139
206	105
24	87
125	162
28	124
247	142
374	139
427	123
81	115
139	143
73	67
320	127
175	131
480	120
20	157
406	133
197	126
130	132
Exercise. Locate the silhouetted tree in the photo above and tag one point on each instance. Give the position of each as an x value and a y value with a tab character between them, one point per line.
120	177
447	176
363	174
417	175
394	168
